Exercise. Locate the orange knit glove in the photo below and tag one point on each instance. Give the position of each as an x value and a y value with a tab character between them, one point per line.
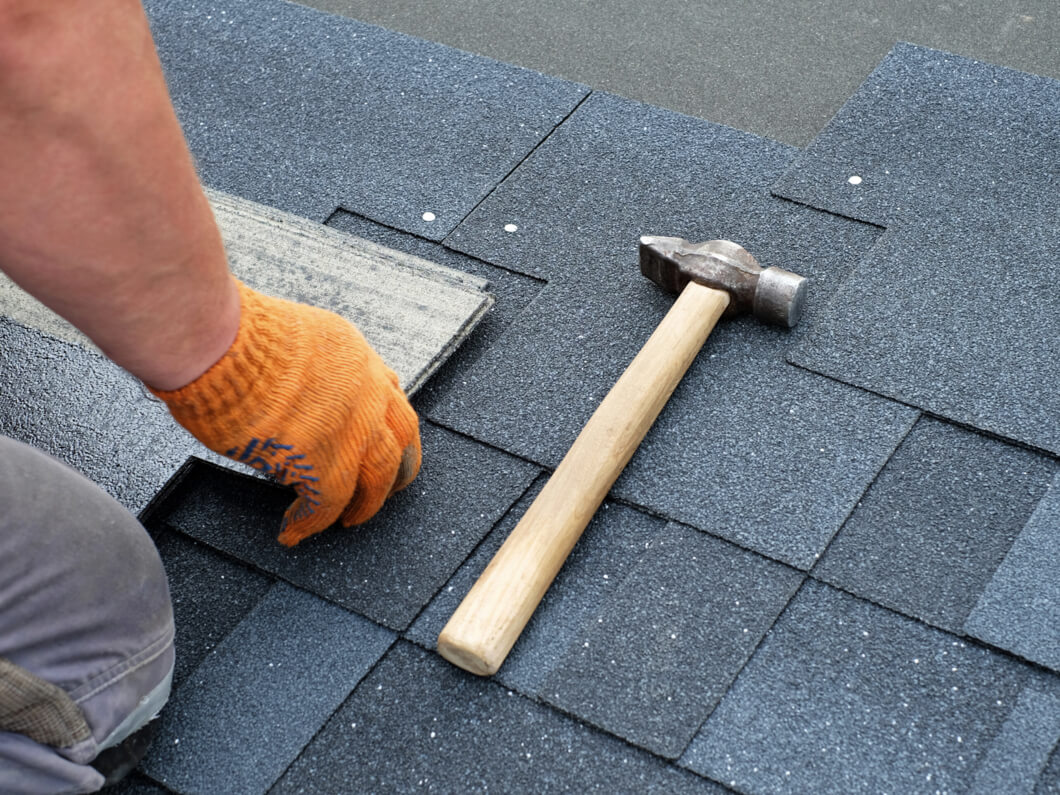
303	397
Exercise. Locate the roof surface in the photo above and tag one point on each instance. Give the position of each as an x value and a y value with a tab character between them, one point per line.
834	565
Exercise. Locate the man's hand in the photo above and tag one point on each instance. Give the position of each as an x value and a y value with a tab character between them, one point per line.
302	397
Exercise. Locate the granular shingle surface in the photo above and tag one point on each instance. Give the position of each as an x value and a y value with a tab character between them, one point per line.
670	640
418	723
609	548
1020	608
298	657
386	569
750	448
928	535
77	406
950	312
847	697
211	595
306	112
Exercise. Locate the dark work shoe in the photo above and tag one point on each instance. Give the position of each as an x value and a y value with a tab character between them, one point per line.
117	762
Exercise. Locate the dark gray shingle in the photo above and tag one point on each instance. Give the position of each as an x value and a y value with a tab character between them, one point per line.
248	710
936	523
847	697
418	723
306	112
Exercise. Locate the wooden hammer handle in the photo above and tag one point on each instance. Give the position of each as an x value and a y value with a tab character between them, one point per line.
487	623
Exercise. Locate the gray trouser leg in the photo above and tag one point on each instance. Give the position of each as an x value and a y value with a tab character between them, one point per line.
84	606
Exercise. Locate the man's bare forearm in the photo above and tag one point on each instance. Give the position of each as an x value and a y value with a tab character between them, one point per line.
102	217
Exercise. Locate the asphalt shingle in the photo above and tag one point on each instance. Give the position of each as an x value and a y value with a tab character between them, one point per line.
306	112
418	723
927	536
1020	608
668	643
512	291
84	410
608	549
386	569
844	696
211	595
260	697
948	312
749	448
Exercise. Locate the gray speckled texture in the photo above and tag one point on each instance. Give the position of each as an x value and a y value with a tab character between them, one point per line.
950	311
386	569
259	698
84	410
512	291
1016	758
846	697
668	643
417	723
608	549
1049	783
211	595
306	112
1020	608
750	448
936	523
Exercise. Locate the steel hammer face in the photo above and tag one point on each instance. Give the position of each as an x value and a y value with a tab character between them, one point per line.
772	294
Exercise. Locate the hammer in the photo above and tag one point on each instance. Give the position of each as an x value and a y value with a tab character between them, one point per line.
715	279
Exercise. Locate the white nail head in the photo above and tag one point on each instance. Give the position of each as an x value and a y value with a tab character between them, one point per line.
511	228
854	180
429	216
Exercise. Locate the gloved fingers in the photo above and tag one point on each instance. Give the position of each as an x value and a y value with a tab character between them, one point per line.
410	467
311	513
382	460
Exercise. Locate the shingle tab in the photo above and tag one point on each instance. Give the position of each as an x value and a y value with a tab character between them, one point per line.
88	412
210	594
386	569
948	312
609	548
1019	753
672	638
936	523
847	697
259	698
305	112
1020	608
418	723
512	291
749	447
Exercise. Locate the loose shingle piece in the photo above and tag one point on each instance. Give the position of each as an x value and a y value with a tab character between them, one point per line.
847	697
950	312
306	112
749	447
927	537
386	569
246	712
1020	608
417	723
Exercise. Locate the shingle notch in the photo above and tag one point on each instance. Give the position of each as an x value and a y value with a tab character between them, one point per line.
305	112
1020	608
844	696
927	536
951	311
386	569
418	723
214	732
749	448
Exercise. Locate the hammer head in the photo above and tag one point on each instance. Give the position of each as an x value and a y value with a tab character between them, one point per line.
772	294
